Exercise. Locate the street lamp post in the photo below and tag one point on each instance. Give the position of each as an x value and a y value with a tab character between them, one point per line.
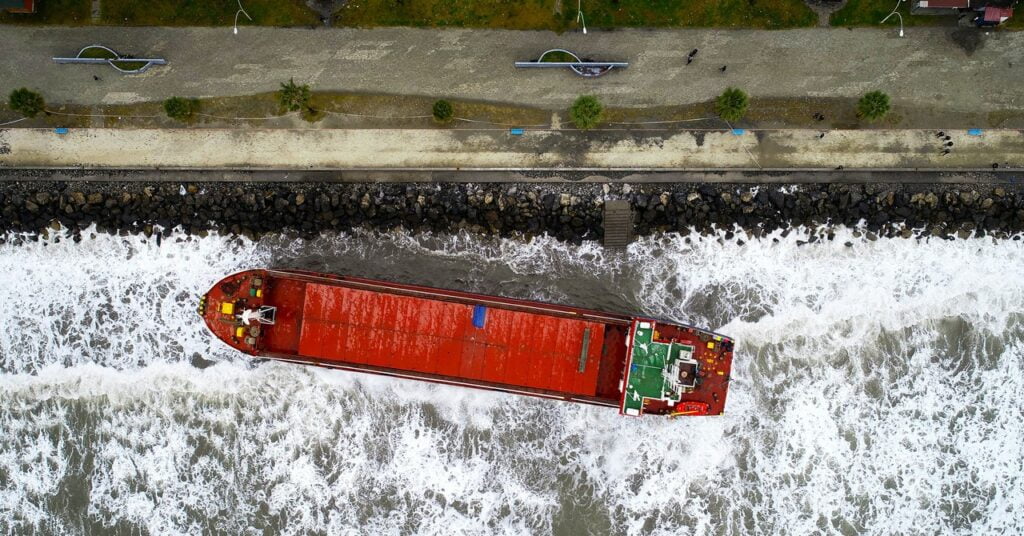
240	10
579	16
900	17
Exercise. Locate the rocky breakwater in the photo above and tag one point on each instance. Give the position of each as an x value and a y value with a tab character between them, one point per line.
570	212
939	210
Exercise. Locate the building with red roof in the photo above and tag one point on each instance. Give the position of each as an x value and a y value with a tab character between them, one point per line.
18	6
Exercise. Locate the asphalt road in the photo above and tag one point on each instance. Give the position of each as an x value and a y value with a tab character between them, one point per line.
924	68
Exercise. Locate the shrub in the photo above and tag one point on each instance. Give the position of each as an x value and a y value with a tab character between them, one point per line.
586	112
873	105
181	109
443	111
294	97
732	104
26	102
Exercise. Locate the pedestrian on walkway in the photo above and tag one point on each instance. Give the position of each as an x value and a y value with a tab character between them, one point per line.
96	78
692	53
723	68
822	135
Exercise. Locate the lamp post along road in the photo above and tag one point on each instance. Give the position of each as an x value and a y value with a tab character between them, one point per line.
898	16
240	10
579	16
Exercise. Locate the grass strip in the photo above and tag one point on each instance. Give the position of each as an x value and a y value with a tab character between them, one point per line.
871	13
206	13
97	53
338	110
542	14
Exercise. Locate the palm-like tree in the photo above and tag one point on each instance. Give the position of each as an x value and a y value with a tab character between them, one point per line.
732	104
586	112
443	111
873	105
26	102
294	97
180	108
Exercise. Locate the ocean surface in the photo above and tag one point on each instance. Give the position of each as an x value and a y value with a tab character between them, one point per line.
878	389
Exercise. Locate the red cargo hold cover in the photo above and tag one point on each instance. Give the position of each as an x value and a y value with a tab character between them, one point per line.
436	337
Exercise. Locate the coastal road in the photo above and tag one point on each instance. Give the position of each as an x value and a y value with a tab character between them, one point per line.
924	69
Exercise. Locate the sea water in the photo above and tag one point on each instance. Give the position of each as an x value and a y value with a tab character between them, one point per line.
877	390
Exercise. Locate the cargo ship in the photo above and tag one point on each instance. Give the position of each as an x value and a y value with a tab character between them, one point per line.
636	364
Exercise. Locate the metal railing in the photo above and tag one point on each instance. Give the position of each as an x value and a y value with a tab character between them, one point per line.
589	69
113	62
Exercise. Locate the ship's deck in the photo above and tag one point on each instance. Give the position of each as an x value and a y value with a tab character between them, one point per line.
472	342
427	332
669	365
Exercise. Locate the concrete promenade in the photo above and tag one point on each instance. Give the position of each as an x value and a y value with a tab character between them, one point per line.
924	69
439	150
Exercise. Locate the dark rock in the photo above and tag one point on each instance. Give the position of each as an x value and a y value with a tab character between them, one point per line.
571	211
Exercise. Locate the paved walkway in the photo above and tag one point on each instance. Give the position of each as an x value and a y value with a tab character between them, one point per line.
923	69
393	149
1009	177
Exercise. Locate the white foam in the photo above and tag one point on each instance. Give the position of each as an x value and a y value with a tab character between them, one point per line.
876	390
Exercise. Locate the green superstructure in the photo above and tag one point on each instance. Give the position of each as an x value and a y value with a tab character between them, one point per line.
658	370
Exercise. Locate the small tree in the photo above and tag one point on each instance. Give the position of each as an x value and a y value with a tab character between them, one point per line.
586	112
873	105
294	97
181	109
443	111
732	104
26	102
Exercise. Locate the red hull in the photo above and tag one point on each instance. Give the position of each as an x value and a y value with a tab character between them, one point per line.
449	337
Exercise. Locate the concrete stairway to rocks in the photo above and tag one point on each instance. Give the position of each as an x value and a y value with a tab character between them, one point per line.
618	224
